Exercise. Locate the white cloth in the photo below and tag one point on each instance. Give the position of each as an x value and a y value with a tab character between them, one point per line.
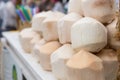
117	4
2	9
10	15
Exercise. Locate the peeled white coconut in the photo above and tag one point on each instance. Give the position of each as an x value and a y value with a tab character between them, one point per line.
35	50
75	6
110	63
64	27
49	30
59	59
113	37
28	38
88	34
38	19
102	10
45	52
85	66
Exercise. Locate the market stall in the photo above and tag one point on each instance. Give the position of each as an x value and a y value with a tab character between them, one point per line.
83	44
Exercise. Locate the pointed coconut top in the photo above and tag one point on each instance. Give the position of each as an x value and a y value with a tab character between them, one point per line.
38	15
72	17
42	15
63	52
84	59
41	42
54	17
36	39
75	6
50	47
28	32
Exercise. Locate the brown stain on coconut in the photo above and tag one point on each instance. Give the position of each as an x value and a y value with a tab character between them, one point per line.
99	3
117	35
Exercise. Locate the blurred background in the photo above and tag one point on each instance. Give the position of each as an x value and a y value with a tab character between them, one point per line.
16	13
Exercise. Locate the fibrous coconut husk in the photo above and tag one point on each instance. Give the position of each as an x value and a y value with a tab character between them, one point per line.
118	35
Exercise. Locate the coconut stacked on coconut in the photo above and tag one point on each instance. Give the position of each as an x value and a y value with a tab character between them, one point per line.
61	55
88	36
37	26
113	34
38	19
70	42
102	10
28	38
64	27
42	39
45	47
92	35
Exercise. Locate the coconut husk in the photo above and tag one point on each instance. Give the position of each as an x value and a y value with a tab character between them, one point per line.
117	36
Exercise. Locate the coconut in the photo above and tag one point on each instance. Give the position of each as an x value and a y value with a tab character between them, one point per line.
113	35
102	10
88	34
49	30
75	6
64	27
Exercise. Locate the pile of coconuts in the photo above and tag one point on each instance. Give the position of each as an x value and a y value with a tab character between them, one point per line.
103	11
97	31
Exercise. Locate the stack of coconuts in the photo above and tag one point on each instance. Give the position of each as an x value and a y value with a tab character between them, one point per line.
81	45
